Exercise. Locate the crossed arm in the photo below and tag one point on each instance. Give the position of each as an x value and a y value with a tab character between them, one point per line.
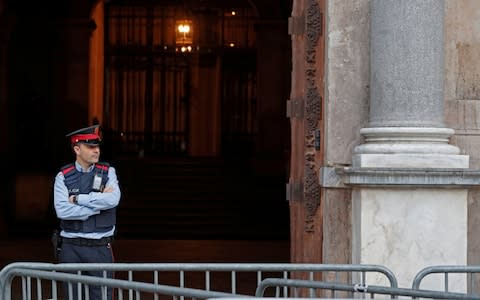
87	204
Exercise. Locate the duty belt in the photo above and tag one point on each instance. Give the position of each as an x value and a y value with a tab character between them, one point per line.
88	242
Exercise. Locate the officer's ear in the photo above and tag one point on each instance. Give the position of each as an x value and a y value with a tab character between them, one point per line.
76	148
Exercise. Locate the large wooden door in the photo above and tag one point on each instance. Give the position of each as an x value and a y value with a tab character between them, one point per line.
305	109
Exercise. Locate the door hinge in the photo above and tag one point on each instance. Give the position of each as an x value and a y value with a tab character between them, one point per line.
294	191
295	108
296	25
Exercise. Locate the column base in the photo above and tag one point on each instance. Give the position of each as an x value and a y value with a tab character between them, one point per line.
410	161
408	147
407	230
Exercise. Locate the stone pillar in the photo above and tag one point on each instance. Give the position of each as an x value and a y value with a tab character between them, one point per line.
409	209
406	89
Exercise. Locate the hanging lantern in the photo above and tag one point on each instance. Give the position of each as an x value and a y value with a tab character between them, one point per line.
184	36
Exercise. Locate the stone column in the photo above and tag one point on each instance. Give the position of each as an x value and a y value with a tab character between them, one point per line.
406	89
409	192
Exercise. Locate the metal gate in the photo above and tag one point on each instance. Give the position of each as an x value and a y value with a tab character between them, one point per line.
221	280
184	280
148	74
147	82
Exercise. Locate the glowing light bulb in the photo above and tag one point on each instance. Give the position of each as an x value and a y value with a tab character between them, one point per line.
184	28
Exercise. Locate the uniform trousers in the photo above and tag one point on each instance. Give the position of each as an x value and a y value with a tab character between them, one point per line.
74	253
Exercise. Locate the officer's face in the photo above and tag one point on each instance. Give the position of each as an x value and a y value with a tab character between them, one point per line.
87	154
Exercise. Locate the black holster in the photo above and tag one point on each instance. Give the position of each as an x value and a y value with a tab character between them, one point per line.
57	243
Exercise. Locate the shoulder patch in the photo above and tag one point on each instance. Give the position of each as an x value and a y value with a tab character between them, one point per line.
102	166
67	169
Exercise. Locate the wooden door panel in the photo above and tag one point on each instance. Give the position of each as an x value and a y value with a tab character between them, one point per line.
306	117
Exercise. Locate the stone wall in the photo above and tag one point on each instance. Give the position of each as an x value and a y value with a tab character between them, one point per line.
347	77
462	97
347	103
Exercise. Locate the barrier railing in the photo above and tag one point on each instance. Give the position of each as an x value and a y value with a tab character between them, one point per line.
356	290
472	273
196	281
200	280
137	287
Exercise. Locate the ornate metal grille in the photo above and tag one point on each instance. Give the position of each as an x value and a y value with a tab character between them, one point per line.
148	77
147	82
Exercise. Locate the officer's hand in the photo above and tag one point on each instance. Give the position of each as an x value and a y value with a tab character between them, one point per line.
71	199
108	189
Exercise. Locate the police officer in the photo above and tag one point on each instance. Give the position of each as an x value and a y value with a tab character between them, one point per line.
86	194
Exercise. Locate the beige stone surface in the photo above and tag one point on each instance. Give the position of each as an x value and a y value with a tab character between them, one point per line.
462	65
462	50
337	226
462	97
347	77
346	105
469	143
347	102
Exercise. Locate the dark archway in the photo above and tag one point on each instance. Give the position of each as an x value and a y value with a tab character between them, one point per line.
250	188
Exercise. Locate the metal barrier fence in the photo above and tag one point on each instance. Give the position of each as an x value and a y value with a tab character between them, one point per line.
196	281
472	273
357	290
415	292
